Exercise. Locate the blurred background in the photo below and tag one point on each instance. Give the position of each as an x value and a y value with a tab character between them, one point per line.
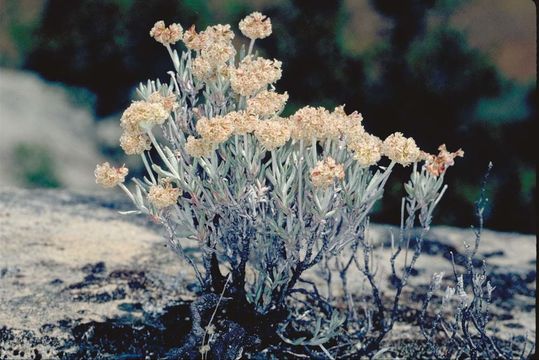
460	72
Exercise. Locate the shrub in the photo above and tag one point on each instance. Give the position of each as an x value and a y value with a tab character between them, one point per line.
267	200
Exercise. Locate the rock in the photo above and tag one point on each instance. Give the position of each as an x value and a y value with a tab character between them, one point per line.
40	116
67	261
79	280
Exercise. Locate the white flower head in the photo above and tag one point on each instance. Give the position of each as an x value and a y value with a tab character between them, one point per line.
326	172
253	75
255	26
272	133
163	195
166	35
401	149
108	176
142	116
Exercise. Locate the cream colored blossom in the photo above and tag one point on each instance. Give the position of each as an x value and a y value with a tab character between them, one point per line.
272	133
218	33
340	125
108	176
135	143
336	124
244	122
325	172
339	111
217	47
163	195
401	149
192	39
267	103
310	122
215	130
202	69
143	115
175	33
354	136
169	101
350	121
438	164
367	149
255	26
218	53
199	147
253	75
166	35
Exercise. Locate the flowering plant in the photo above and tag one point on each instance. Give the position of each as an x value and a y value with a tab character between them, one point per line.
263	198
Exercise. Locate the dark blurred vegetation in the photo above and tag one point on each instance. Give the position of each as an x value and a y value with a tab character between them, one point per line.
35	166
421	76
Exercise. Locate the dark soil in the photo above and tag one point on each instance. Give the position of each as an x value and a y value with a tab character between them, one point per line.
131	338
508	284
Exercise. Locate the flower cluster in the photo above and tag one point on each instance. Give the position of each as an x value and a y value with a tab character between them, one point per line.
139	118
108	176
143	115
244	122
199	147
318	123
325	172
256	26
215	130
166	35
272	133
192	39
438	164
401	149
254	74
163	195
134	142
267	103
345	124
215	50
367	148
167	101
310	122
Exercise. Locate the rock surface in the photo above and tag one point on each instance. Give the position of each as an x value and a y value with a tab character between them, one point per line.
72	270
71	259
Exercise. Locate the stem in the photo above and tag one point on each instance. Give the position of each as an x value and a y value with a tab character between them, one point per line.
242	103
148	168
126	190
251	45
215	312
314	152
300	181
176	63
177	246
326	352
